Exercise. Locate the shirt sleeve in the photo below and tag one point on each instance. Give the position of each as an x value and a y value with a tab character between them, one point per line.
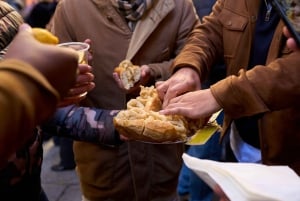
84	124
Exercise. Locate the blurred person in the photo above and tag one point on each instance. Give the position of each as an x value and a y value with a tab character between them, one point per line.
66	155
20	71
31	88
30	101
150	34
41	13
39	16
259	96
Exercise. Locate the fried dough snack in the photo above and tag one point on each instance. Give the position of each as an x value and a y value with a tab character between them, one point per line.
44	36
129	73
141	120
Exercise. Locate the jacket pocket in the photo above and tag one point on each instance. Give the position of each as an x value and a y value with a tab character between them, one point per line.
233	28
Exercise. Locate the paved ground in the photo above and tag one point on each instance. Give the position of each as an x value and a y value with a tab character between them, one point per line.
59	186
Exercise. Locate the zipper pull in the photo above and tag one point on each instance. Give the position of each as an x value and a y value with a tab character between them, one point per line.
268	14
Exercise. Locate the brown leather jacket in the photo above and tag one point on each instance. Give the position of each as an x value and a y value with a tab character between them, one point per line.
272	90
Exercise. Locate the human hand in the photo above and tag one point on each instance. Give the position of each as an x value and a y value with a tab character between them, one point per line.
90	52
291	43
84	84
194	105
58	65
184	80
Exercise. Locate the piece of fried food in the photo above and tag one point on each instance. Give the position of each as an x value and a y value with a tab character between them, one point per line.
44	36
142	121
128	73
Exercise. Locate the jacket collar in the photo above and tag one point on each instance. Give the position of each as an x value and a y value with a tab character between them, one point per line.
147	25
144	26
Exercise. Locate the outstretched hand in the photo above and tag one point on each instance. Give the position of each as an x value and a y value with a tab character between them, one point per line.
58	65
193	105
184	80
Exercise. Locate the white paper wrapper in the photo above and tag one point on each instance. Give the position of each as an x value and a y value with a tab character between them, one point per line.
248	181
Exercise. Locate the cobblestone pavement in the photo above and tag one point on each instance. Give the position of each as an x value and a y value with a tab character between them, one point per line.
59	186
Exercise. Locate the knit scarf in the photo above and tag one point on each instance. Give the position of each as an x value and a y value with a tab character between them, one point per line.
132	11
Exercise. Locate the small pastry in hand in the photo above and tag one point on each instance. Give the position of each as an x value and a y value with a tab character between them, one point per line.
128	73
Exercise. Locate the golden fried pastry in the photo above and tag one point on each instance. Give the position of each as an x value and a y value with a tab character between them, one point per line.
44	36
141	120
128	73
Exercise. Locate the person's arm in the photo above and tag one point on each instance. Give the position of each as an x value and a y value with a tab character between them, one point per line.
202	49
262	89
30	88
84	124
204	45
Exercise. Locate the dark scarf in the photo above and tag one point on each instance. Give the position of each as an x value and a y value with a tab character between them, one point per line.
132	11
